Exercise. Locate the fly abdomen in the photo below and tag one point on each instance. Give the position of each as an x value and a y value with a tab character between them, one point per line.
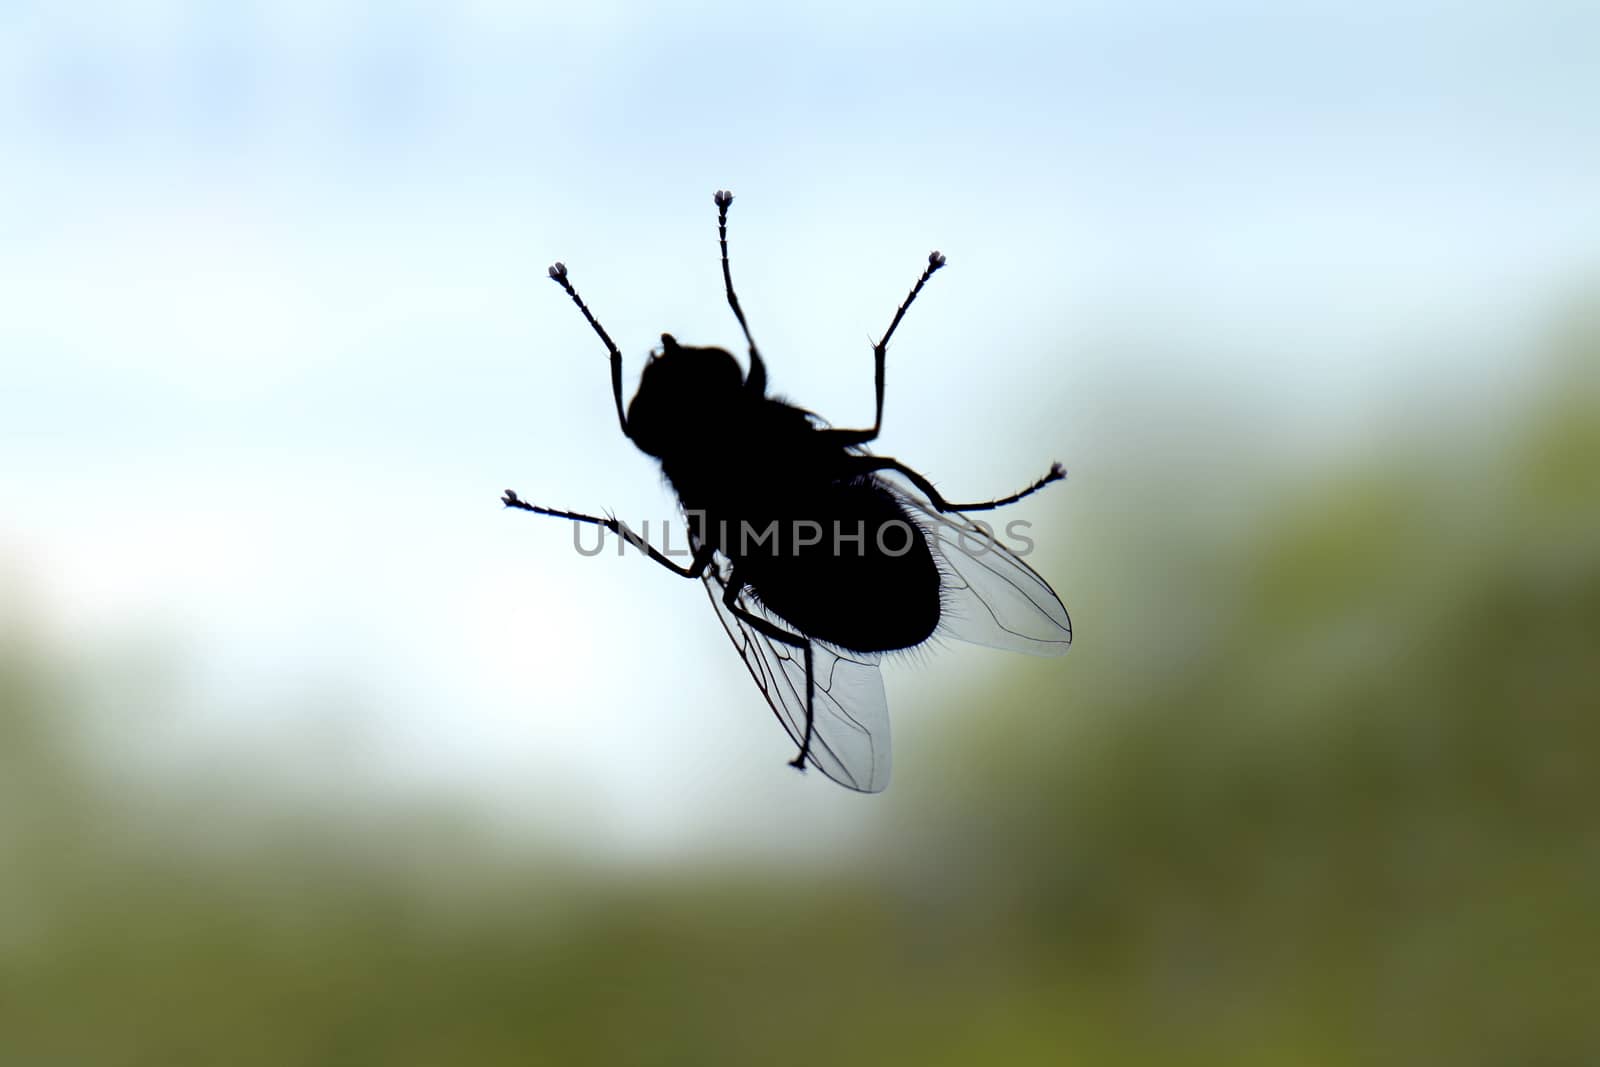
845	565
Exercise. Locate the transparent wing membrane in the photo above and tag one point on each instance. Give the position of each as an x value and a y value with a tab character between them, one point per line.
850	728
990	597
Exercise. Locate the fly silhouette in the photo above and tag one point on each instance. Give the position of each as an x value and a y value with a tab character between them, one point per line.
818	556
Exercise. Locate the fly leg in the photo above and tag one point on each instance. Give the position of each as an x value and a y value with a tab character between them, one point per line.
696	567
868	464
558	274
756	380
879	354
730	599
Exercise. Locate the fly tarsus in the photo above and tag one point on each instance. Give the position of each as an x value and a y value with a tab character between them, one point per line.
868	464
730	599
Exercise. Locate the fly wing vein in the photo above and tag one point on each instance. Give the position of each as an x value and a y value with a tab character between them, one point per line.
991	596
850	727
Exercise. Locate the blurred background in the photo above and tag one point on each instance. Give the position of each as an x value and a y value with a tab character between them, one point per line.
312	753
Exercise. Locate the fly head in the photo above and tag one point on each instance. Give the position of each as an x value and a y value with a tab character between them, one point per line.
685	396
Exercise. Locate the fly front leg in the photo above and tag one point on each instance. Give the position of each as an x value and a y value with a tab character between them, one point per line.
697	566
868	464
756	380
730	600
558	274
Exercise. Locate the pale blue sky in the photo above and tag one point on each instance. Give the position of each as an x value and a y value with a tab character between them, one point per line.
274	296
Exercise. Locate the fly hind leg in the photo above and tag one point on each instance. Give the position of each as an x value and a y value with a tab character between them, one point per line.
868	464
730	600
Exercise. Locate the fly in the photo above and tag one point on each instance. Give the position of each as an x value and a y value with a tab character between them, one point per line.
818	556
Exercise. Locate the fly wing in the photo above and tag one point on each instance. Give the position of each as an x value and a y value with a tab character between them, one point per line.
989	596
850	714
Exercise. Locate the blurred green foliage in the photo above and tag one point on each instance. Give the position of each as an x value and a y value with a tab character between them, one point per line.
1333	801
